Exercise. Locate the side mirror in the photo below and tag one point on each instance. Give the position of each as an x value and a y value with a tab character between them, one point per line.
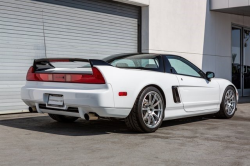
210	75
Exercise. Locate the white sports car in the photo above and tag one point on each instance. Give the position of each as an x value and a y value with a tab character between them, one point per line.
143	89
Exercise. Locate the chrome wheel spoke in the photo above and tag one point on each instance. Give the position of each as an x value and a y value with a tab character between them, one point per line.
153	100
150	99
149	120
232	107
153	120
156	103
157	118
145	117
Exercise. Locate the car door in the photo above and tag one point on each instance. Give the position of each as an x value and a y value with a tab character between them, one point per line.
196	92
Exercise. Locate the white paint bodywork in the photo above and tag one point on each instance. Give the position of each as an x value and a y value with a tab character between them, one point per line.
198	93
198	96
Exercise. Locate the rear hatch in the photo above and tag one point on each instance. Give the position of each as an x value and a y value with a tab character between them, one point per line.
61	83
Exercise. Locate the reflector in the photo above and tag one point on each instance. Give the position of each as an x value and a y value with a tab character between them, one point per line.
123	93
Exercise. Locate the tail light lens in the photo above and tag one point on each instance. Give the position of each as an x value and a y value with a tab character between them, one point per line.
95	78
31	76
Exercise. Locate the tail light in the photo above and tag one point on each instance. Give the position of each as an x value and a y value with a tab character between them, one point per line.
95	78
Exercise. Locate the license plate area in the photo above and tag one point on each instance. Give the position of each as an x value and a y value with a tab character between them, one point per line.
55	101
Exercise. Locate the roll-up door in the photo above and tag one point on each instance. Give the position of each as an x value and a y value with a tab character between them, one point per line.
21	41
32	29
93	29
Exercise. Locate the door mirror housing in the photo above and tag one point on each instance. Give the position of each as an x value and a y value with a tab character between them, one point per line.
210	75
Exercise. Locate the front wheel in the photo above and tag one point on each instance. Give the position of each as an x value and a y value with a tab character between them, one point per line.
148	111
228	104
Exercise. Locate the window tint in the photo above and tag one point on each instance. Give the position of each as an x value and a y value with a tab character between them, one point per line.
183	67
123	63
150	63
136	63
141	61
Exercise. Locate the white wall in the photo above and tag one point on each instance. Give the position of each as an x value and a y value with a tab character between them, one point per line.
217	42
190	29
176	27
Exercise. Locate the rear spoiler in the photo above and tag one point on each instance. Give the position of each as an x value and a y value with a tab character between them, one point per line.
45	63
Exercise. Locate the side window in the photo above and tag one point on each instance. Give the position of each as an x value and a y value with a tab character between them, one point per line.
183	67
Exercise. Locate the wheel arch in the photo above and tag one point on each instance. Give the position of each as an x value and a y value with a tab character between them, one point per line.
224	90
157	87
223	84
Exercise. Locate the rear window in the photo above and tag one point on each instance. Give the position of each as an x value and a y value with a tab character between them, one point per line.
71	65
142	61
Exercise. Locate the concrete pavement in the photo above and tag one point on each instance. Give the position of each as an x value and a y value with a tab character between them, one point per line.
35	139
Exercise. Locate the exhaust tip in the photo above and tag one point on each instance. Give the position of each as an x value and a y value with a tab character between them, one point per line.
86	116
91	116
32	109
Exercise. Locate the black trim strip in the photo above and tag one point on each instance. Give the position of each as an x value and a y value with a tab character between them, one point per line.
45	63
70	109
176	95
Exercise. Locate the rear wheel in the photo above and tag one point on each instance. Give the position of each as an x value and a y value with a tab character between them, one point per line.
228	104
62	118
148	111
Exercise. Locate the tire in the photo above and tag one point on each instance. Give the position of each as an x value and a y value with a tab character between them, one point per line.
228	105
143	107
62	118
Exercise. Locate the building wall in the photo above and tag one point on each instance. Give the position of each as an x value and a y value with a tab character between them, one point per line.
191	30
175	27
217	54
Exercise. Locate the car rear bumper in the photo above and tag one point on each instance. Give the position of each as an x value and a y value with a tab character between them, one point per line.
81	111
81	99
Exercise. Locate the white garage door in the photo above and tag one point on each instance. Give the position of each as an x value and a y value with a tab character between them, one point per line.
32	29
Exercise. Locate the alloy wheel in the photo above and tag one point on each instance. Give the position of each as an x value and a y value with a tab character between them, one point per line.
230	102
152	109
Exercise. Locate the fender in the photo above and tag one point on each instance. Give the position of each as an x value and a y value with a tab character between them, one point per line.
133	81
223	83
